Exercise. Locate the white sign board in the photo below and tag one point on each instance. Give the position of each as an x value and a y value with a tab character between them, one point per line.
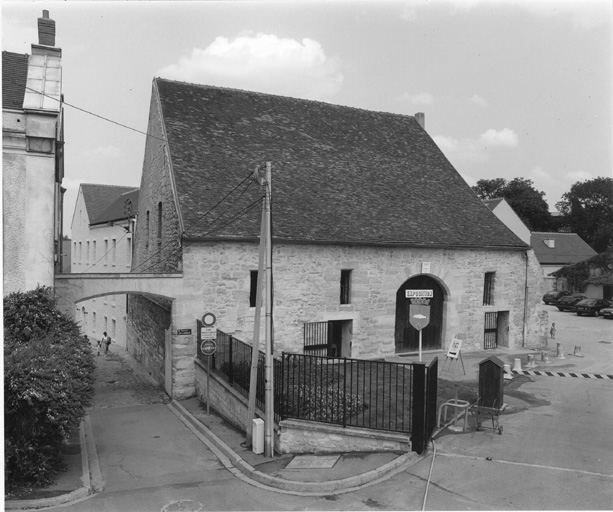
454	349
419	294
208	333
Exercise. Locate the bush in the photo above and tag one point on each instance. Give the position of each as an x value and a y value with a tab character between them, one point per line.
48	382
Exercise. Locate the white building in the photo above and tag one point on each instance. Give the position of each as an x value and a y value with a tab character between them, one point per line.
102	230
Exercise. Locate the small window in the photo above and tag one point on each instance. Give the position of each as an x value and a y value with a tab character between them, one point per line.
160	220
488	289
128	252
345	286
253	288
106	252
114	251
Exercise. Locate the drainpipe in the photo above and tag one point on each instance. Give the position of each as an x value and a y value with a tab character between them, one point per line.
523	341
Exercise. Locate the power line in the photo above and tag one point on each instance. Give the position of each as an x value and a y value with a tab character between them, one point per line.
62	102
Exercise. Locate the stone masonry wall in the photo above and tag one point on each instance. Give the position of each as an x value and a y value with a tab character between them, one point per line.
153	253
146	326
306	280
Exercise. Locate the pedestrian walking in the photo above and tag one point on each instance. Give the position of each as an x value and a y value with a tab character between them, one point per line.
105	342
552	331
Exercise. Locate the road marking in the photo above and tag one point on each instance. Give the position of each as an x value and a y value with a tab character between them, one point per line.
570	470
563	374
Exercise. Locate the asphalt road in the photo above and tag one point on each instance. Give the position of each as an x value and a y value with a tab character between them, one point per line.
555	452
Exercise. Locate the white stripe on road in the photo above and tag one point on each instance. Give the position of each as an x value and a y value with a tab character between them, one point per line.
524	464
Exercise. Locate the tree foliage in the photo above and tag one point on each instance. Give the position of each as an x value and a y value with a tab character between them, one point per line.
526	201
48	382
588	208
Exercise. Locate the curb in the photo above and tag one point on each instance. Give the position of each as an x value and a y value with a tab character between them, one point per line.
92	479
237	466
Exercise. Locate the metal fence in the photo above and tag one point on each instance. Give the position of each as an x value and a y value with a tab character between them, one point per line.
361	393
348	392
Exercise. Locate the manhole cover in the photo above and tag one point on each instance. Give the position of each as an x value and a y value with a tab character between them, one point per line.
183	506
313	462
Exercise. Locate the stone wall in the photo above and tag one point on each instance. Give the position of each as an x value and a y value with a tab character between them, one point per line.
306	279
146	326
156	245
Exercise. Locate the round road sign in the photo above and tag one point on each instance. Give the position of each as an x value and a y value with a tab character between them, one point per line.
208	347
208	319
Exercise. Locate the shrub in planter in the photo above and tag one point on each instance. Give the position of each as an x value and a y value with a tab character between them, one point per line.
48	382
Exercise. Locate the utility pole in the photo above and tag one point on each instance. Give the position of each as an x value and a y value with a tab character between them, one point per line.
255	346
270	415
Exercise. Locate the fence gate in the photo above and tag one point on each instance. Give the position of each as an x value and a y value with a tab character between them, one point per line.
490	337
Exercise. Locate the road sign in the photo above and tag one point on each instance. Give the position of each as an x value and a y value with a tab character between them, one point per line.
208	333
183	332
419	315
208	347
208	319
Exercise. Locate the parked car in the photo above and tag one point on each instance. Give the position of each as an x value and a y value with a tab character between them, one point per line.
553	296
607	313
591	306
568	303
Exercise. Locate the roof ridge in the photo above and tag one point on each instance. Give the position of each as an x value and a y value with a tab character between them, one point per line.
259	93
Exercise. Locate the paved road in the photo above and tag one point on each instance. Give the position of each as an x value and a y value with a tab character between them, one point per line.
555	453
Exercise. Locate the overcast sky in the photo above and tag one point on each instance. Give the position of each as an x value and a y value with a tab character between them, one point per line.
509	88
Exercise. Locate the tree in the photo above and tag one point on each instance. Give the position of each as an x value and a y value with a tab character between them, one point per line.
588	207
528	203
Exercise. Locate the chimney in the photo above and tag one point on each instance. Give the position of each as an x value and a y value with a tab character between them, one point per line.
46	30
420	117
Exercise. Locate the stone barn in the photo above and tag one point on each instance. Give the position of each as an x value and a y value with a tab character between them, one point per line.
365	206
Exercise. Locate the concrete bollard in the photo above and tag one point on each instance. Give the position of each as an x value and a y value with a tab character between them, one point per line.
531	362
544	357
507	372
560	351
517	365
577	352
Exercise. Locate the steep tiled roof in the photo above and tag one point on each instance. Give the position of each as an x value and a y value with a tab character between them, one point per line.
568	248
99	197
340	174
124	207
14	77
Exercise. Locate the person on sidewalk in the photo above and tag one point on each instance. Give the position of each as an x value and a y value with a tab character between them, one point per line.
105	342
552	332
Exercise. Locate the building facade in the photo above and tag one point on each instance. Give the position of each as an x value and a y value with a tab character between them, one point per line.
102	231
366	210
32	162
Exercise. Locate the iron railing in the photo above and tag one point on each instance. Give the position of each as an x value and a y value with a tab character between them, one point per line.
349	392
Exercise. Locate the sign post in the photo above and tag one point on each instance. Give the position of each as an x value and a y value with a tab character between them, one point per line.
208	333
419	310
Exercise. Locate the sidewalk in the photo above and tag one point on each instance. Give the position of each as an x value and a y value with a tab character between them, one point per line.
125	394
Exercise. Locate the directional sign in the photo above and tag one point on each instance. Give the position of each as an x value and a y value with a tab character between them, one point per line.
208	347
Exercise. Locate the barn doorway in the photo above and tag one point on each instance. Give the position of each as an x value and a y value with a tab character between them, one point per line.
406	336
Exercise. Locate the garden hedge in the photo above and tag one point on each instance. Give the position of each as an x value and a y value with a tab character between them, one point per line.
48	382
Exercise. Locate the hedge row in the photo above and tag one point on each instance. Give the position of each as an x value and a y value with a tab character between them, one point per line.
48	382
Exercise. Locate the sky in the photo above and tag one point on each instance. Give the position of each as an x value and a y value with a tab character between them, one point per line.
509	88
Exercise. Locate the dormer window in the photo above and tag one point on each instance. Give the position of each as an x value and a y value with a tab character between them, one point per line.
550	242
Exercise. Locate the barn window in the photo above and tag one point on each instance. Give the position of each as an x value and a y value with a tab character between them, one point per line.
488	289
345	286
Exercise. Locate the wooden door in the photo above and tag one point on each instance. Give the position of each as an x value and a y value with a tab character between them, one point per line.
406	336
